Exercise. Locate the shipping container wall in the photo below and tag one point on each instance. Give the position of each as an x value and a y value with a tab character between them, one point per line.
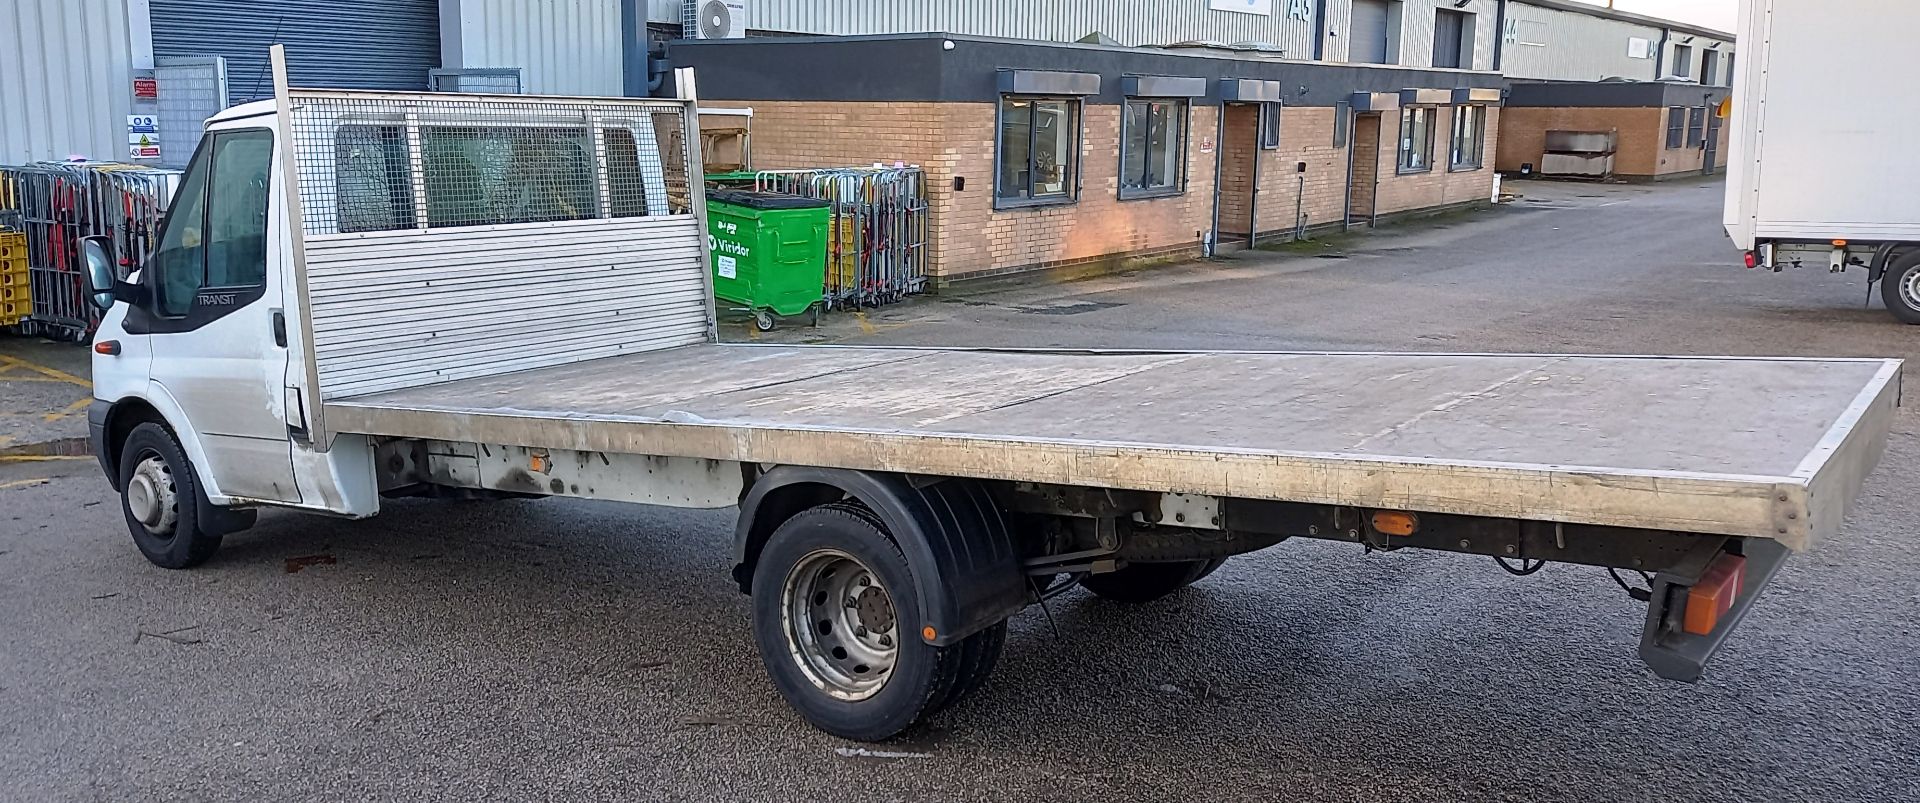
562	47
1552	45
66	80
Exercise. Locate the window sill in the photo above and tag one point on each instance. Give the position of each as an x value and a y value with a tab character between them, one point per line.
1148	195
1466	168
1417	171
1007	204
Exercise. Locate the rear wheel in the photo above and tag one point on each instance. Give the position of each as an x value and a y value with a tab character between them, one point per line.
1900	287
1146	582
160	497
836	617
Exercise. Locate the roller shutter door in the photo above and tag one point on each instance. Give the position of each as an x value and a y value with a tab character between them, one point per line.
335	44
1369	29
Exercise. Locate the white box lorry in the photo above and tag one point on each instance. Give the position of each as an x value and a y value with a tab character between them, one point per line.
1821	152
358	296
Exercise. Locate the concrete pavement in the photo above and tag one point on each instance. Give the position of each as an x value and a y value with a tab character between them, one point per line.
590	651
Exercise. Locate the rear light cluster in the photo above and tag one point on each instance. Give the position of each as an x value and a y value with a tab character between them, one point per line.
1753	260
1713	596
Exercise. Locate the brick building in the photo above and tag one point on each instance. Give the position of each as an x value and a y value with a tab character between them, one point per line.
1047	155
1582	74
1660	130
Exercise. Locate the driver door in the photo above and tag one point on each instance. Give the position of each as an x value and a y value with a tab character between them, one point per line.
212	318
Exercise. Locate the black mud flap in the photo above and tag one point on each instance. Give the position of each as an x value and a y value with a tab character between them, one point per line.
1665	645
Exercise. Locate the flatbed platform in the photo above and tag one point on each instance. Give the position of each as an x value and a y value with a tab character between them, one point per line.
1770	448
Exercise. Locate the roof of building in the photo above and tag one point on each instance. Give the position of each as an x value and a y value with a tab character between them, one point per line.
1603	12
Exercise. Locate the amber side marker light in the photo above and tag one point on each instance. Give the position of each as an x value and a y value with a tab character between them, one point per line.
1394	522
110	348
1713	596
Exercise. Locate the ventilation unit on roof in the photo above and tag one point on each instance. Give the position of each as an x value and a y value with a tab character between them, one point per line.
714	19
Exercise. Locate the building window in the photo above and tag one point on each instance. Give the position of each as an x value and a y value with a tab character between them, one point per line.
1039	151
1696	126
1153	151
1682	61
1469	137
1270	126
1709	68
1452	39
1416	139
1676	126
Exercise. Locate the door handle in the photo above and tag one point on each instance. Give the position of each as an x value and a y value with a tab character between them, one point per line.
280	328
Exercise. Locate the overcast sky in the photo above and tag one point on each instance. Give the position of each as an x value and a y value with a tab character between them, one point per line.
1721	14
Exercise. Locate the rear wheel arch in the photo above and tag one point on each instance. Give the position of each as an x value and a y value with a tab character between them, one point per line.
957	544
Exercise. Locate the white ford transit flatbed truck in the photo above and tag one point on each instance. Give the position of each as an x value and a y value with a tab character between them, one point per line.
358	296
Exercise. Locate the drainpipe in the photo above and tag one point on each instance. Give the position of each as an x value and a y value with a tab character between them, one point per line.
1660	55
1219	148
1499	35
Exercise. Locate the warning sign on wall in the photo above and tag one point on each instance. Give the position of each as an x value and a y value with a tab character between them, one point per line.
143	136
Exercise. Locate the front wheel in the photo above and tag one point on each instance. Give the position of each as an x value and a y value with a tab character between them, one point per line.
159	495
764	321
1900	287
836	617
1146	582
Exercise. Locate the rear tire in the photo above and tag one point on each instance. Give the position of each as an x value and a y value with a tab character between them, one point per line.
1900	287
837	620
160	497
1146	582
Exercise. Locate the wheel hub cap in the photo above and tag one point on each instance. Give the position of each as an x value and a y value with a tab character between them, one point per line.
840	624
151	496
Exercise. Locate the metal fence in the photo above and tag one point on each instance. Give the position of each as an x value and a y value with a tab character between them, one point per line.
392	162
55	204
877	249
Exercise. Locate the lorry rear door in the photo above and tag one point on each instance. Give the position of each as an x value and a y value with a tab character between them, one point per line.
212	316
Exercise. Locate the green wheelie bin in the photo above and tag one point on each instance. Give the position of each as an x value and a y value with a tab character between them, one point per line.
769	253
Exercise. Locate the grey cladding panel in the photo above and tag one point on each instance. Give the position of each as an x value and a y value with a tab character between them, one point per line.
1248	90
1048	82
1163	86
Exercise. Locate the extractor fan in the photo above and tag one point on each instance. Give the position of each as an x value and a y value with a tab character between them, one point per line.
715	19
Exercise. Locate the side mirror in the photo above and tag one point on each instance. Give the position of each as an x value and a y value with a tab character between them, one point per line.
101	276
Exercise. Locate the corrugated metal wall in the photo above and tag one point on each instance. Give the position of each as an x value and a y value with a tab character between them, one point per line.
66	80
563	47
1577	47
336	44
1416	30
1132	22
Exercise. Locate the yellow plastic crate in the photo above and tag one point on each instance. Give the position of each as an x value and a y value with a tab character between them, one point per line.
11	314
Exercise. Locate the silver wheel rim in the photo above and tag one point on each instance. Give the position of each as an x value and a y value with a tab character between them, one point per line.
1910	290
151	496
840	623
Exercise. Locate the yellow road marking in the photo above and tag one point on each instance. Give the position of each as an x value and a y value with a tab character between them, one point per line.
24	483
70	410
40	458
866	326
44	370
31	379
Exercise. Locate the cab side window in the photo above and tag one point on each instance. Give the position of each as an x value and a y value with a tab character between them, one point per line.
217	238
